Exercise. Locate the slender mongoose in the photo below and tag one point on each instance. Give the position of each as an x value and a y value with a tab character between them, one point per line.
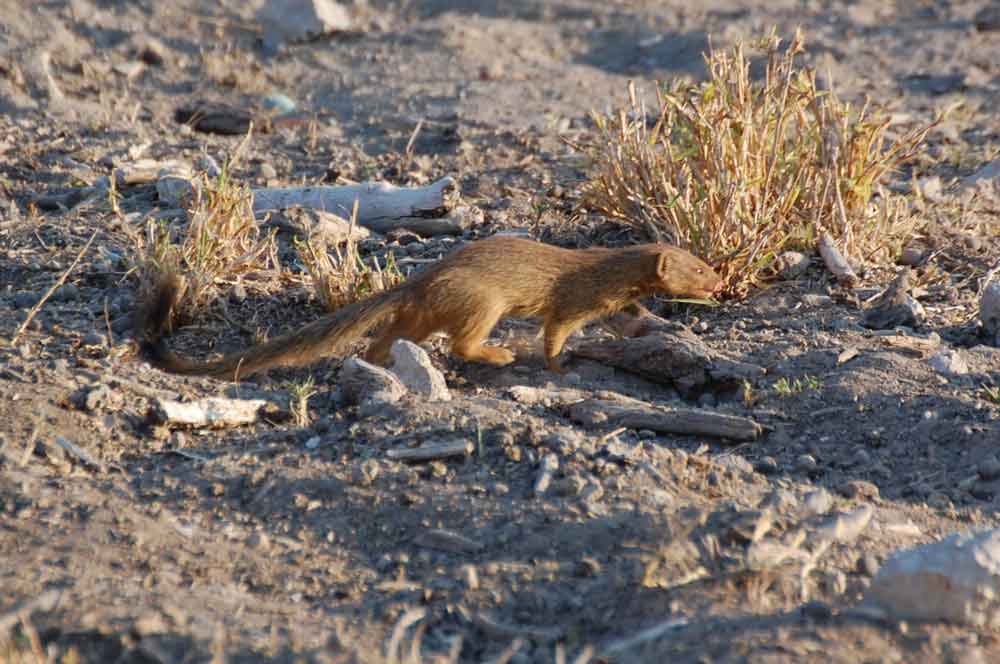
464	294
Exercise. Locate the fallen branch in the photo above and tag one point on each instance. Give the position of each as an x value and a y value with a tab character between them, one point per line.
446	540
81	454
674	357
381	206
213	412
432	451
682	421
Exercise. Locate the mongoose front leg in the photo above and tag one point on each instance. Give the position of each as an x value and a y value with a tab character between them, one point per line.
555	338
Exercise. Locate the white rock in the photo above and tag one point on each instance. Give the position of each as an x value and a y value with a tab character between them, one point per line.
414	368
175	190
949	362
989	308
817	502
847	526
365	384
956	579
792	264
931	188
289	21
986	180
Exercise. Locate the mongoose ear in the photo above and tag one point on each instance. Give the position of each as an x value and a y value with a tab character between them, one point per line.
662	264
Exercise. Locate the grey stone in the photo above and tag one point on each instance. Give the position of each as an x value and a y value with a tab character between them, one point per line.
734	462
95	339
987	19
989	308
290	21
414	368
989	468
365	384
949	362
806	463
766	465
792	265
817	502
956	579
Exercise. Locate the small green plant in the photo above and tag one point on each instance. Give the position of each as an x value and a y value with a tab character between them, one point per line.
991	393
784	387
737	170
301	392
749	397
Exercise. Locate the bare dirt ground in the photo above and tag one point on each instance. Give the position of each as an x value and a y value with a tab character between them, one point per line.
286	542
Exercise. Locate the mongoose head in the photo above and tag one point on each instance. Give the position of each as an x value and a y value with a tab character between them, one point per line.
680	274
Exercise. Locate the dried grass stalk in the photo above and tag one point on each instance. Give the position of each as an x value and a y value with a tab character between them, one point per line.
220	242
343	278
737	170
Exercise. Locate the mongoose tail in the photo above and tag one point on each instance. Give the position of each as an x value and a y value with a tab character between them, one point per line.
322	337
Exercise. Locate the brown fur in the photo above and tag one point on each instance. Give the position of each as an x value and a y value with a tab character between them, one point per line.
465	295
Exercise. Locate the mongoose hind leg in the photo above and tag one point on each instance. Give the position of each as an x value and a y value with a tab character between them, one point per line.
467	342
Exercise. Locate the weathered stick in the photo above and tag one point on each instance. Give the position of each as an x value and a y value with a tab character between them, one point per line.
835	261
664	352
146	171
432	451
678	358
210	412
447	540
79	453
683	421
377	201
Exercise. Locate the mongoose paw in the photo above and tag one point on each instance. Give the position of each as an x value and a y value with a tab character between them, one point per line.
555	367
497	355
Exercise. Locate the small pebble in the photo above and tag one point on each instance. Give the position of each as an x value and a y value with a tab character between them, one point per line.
95	339
858	489
707	400
267	171
989	468
766	465
806	463
817	502
868	564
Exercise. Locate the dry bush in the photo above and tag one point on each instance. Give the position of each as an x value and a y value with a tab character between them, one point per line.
737	170
344	277
220	242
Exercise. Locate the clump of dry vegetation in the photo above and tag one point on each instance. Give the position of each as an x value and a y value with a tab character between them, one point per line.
343	278
220	243
737	170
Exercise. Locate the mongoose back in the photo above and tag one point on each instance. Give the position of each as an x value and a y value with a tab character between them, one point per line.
464	294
